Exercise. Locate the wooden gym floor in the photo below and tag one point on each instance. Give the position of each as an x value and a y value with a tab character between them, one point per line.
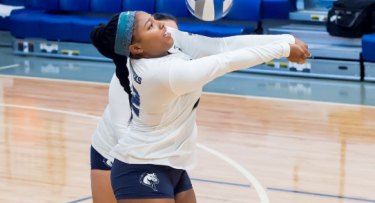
249	147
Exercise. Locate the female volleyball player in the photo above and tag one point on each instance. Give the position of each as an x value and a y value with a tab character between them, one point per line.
158	147
100	168
104	137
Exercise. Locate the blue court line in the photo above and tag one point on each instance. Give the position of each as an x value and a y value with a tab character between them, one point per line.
194	179
269	188
80	200
322	195
218	182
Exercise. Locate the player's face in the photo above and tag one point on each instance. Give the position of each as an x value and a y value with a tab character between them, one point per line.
151	38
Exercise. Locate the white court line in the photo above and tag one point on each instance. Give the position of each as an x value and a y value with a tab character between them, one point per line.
50	110
54	80
253	181
289	100
10	66
208	93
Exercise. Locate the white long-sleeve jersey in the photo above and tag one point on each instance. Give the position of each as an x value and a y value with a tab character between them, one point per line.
166	92
156	125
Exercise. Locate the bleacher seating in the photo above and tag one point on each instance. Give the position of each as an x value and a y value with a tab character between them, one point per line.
74	5
368	47
63	19
5	21
26	24
251	9
278	9
13	2
68	20
176	8
109	6
139	5
60	19
42	4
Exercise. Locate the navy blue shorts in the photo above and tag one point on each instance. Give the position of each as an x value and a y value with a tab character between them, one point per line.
98	162
147	181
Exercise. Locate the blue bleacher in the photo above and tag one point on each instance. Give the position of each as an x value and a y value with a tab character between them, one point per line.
74	5
42	4
5	22
245	10
82	28
278	9
13	2
56	27
180	10
26	24
73	21
176	8
242	11
38	20
139	5
110	6
60	19
368	47
70	26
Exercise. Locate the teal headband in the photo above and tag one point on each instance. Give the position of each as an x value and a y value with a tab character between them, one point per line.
124	33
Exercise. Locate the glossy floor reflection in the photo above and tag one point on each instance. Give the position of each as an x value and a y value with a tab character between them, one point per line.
299	151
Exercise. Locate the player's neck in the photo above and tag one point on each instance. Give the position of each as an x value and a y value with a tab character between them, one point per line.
148	56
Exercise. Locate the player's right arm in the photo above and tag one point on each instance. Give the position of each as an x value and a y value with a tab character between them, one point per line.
183	76
197	46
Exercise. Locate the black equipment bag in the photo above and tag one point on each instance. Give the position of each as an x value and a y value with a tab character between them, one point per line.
351	18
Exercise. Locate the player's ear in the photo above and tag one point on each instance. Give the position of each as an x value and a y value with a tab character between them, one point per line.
135	49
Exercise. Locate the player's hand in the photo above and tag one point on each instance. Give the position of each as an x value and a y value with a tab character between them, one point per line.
304	46
297	54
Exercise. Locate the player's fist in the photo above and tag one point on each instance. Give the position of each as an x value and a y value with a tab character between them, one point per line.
297	54
304	46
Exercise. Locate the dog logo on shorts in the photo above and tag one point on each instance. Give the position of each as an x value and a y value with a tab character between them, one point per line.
107	162
149	180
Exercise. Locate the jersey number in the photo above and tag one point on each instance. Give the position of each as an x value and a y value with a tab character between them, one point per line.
136	102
